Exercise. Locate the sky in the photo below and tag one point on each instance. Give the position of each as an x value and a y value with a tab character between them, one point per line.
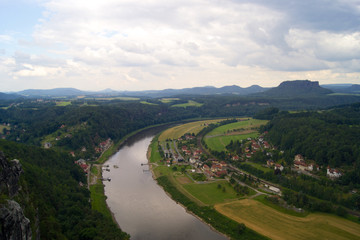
160	44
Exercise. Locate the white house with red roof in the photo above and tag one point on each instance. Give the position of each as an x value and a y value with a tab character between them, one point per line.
333	173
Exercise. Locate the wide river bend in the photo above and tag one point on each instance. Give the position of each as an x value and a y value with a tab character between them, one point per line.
140	206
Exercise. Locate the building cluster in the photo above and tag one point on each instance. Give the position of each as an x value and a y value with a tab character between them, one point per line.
216	170
82	163
103	146
301	164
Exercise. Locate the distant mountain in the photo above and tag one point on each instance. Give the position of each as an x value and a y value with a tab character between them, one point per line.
9	96
296	88
343	88
53	92
207	90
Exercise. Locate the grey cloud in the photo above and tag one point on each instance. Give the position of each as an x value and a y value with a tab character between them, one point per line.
329	15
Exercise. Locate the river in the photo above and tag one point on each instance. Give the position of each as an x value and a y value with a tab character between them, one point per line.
140	206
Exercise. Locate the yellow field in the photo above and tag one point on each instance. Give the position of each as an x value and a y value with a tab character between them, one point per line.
276	225
178	131
2	127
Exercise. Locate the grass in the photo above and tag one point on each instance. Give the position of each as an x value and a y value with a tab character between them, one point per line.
218	143
258	166
63	103
2	127
190	103
148	103
98	199
344	94
168	100
261	198
279	225
245	124
209	193
178	131
221	136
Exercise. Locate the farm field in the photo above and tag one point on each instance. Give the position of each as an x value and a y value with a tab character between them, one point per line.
277	225
2	127
258	166
209	193
63	103
218	143
148	103
178	131
190	103
168	100
246	124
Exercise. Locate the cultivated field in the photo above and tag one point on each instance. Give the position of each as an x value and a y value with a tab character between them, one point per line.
190	103
2	127
168	100
277	225
178	131
210	193
244	124
218	138
63	103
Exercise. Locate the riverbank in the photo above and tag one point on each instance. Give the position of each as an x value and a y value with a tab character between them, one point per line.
96	186
206	214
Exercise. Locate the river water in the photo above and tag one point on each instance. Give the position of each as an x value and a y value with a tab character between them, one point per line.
140	206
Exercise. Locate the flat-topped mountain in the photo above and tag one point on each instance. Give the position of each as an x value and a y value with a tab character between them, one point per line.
297	88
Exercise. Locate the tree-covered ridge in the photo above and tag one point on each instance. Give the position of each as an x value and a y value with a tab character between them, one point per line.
53	197
330	138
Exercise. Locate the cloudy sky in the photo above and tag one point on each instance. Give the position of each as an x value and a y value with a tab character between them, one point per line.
158	44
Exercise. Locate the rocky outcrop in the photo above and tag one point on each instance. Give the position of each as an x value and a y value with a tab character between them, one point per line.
9	175
14	225
297	88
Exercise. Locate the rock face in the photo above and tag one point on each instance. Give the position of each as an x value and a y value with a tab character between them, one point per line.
9	175
297	88
14	225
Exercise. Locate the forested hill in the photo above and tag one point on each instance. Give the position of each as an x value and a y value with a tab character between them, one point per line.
53	197
331	138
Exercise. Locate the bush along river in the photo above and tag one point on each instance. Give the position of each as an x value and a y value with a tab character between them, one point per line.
140	205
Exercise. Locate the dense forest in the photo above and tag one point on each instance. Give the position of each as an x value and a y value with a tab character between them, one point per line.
330	138
53	198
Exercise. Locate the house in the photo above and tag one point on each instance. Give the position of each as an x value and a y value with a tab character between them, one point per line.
312	166
255	146
223	164
221	173
299	157
275	189
333	173
279	166
184	148
47	145
206	167
301	165
216	167
266	145
270	163
197	152
235	158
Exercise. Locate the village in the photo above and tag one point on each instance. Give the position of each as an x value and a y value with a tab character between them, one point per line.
185	151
